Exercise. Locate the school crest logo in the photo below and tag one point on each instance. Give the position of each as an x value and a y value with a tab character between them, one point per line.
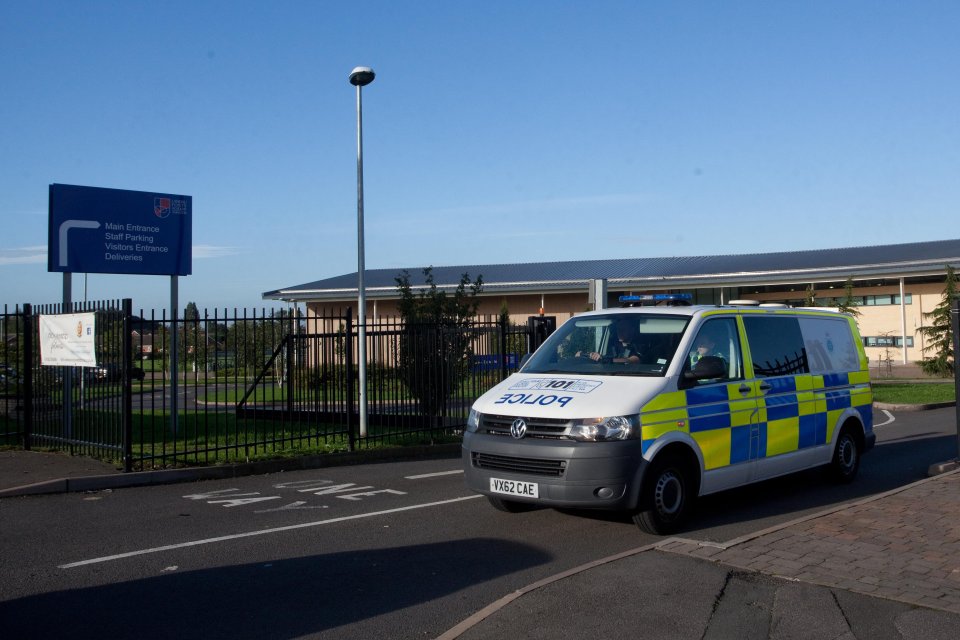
161	207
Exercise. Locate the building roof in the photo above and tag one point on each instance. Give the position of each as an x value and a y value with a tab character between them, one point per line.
882	261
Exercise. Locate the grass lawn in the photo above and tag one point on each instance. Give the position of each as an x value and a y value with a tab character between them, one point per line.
218	438
276	393
906	393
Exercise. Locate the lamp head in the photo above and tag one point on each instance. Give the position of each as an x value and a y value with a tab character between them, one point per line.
361	76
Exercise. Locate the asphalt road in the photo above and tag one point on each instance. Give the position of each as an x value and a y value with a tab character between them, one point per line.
393	550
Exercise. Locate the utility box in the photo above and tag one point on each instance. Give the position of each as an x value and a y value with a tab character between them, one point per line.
538	328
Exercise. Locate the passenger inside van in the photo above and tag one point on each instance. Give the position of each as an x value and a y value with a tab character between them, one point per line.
627	351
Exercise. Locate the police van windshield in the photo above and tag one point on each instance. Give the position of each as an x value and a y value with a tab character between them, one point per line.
615	344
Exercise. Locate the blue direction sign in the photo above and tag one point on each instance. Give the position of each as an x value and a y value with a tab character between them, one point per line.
96	230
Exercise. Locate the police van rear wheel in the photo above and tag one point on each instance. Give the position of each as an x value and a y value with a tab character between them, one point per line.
846	457
667	497
510	506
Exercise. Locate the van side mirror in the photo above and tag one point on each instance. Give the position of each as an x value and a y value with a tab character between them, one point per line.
524	359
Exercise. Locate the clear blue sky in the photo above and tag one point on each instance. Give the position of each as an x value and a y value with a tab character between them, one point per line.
494	132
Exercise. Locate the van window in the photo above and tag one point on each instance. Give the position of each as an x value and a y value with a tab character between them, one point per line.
776	345
611	344
829	344
717	338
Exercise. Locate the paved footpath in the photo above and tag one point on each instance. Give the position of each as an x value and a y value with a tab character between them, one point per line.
887	566
902	545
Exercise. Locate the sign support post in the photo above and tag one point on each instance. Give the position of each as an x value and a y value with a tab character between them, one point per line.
174	355
67	307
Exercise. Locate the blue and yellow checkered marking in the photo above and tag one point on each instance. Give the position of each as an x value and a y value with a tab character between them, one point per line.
793	414
708	408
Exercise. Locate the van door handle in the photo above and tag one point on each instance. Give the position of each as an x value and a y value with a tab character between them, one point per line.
744	389
765	386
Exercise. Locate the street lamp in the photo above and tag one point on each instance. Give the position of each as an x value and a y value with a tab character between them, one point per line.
361	77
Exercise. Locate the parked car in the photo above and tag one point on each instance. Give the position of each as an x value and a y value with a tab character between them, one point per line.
110	372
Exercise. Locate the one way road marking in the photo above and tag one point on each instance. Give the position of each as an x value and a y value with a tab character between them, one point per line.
248	534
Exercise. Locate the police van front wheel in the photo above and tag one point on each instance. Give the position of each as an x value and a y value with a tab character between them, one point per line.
667	497
846	457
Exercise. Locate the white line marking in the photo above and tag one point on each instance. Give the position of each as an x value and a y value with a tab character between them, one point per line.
889	415
434	475
194	543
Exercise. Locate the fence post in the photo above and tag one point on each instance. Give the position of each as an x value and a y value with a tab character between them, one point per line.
27	390
348	353
126	376
955	330
504	319
291	347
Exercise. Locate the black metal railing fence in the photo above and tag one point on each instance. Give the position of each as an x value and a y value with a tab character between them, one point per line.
421	379
248	384
63	408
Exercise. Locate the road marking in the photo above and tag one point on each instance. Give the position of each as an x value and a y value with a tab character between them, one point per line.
358	496
299	504
889	415
338	488
194	543
236	502
434	475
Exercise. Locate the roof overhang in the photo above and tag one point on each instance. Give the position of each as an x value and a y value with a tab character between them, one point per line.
910	261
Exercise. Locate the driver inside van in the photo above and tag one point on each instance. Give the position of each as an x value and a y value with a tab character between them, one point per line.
625	350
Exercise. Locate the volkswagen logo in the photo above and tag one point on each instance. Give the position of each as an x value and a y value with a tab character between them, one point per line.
518	429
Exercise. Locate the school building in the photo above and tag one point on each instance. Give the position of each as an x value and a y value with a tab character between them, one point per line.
894	286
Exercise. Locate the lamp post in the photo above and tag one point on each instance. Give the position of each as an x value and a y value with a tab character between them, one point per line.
361	77
955	329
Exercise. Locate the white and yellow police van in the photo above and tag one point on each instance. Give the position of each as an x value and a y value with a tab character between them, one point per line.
644	409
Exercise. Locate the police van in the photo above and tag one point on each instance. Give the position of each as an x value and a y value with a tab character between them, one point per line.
644	409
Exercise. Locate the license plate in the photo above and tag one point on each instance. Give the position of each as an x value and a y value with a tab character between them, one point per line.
515	488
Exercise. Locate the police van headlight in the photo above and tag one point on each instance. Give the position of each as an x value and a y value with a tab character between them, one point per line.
605	429
473	421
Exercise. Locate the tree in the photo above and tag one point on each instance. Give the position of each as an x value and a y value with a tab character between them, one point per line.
253	340
11	345
939	333
810	299
435	346
192	341
109	335
515	342
849	302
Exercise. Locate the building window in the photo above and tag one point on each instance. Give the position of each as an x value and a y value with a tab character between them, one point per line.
886	299
886	341
868	301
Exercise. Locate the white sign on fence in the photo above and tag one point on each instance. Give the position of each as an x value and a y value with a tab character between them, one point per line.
68	340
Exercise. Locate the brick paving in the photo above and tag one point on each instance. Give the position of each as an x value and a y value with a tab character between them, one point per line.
903	545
